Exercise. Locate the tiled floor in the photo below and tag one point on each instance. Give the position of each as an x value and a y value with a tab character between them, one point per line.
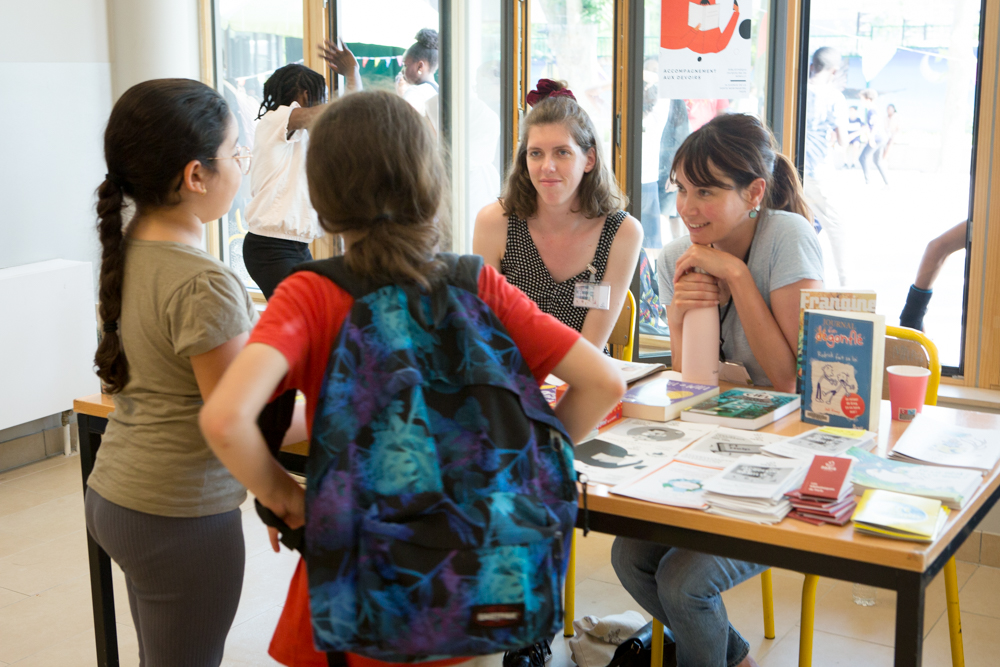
46	618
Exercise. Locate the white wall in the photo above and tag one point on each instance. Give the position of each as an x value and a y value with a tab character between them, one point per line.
55	78
152	39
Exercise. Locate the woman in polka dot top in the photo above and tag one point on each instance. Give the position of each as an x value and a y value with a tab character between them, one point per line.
559	223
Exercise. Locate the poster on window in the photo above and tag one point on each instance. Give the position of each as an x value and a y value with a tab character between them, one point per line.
705	49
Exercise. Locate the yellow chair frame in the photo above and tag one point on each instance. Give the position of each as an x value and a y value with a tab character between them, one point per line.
808	617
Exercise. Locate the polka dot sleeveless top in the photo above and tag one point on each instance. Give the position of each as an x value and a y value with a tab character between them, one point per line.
524	269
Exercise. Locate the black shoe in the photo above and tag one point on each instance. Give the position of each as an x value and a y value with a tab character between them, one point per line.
535	655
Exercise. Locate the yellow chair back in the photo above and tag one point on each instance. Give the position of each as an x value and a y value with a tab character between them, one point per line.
621	338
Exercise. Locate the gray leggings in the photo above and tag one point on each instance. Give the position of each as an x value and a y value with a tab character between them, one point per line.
183	576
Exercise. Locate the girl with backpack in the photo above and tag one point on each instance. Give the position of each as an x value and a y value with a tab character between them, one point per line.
376	178
558	226
158	501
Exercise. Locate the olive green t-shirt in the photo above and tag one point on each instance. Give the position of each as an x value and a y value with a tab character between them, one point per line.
177	302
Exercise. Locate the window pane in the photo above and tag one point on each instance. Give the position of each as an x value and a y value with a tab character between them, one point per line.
254	38
666	123
479	103
379	39
574	42
888	168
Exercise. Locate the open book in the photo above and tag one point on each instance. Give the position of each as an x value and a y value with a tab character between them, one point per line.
703	17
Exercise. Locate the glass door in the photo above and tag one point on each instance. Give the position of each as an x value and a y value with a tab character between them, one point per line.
888	141
253	38
667	119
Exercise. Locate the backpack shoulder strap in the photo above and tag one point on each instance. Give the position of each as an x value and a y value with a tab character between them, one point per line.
463	270
335	269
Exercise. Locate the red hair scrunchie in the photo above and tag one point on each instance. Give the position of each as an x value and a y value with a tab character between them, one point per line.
548	88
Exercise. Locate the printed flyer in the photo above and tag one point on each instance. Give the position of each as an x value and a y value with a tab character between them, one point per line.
705	49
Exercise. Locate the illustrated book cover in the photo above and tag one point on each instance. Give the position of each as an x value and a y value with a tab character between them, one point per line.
842	356
748	409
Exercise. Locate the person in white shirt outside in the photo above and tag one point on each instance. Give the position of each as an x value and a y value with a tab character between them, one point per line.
420	62
826	117
280	217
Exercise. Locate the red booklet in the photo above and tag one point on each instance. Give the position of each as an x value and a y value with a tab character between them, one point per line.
828	478
829	509
839	518
820	520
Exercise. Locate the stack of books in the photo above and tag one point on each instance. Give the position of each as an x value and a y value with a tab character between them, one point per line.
898	515
753	488
826	494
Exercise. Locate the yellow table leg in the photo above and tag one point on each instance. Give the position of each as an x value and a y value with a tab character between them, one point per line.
768	593
569	602
656	659
954	614
808	620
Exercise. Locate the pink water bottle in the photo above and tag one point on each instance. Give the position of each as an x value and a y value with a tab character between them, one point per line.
700	353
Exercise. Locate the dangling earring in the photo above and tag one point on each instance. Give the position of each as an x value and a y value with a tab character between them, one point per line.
754	211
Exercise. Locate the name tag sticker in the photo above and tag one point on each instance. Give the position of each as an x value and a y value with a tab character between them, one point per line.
592	295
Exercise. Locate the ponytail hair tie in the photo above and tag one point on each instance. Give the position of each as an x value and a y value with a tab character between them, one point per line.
114	180
110	327
382	217
548	88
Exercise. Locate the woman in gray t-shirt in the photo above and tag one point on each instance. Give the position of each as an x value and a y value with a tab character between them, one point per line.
755	250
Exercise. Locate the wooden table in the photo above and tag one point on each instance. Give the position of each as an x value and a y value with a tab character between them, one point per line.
829	551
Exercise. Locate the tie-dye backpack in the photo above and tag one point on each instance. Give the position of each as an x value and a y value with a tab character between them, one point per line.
441	495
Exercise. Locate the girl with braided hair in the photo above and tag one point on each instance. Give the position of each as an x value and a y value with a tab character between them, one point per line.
158	501
280	219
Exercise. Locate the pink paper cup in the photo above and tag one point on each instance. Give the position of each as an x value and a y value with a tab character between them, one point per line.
907	390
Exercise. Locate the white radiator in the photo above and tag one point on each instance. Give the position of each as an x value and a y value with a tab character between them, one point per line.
48	335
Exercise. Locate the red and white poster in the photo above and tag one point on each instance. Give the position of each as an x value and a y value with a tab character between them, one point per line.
705	49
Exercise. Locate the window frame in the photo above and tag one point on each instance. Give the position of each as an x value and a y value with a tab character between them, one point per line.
786	88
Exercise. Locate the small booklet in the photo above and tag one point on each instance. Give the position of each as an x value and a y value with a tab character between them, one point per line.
899	515
633	447
724	445
678	484
825	440
761	477
664	397
952	486
636	370
747	409
930	442
828	478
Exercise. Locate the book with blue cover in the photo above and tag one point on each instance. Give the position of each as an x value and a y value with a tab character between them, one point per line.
842	357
